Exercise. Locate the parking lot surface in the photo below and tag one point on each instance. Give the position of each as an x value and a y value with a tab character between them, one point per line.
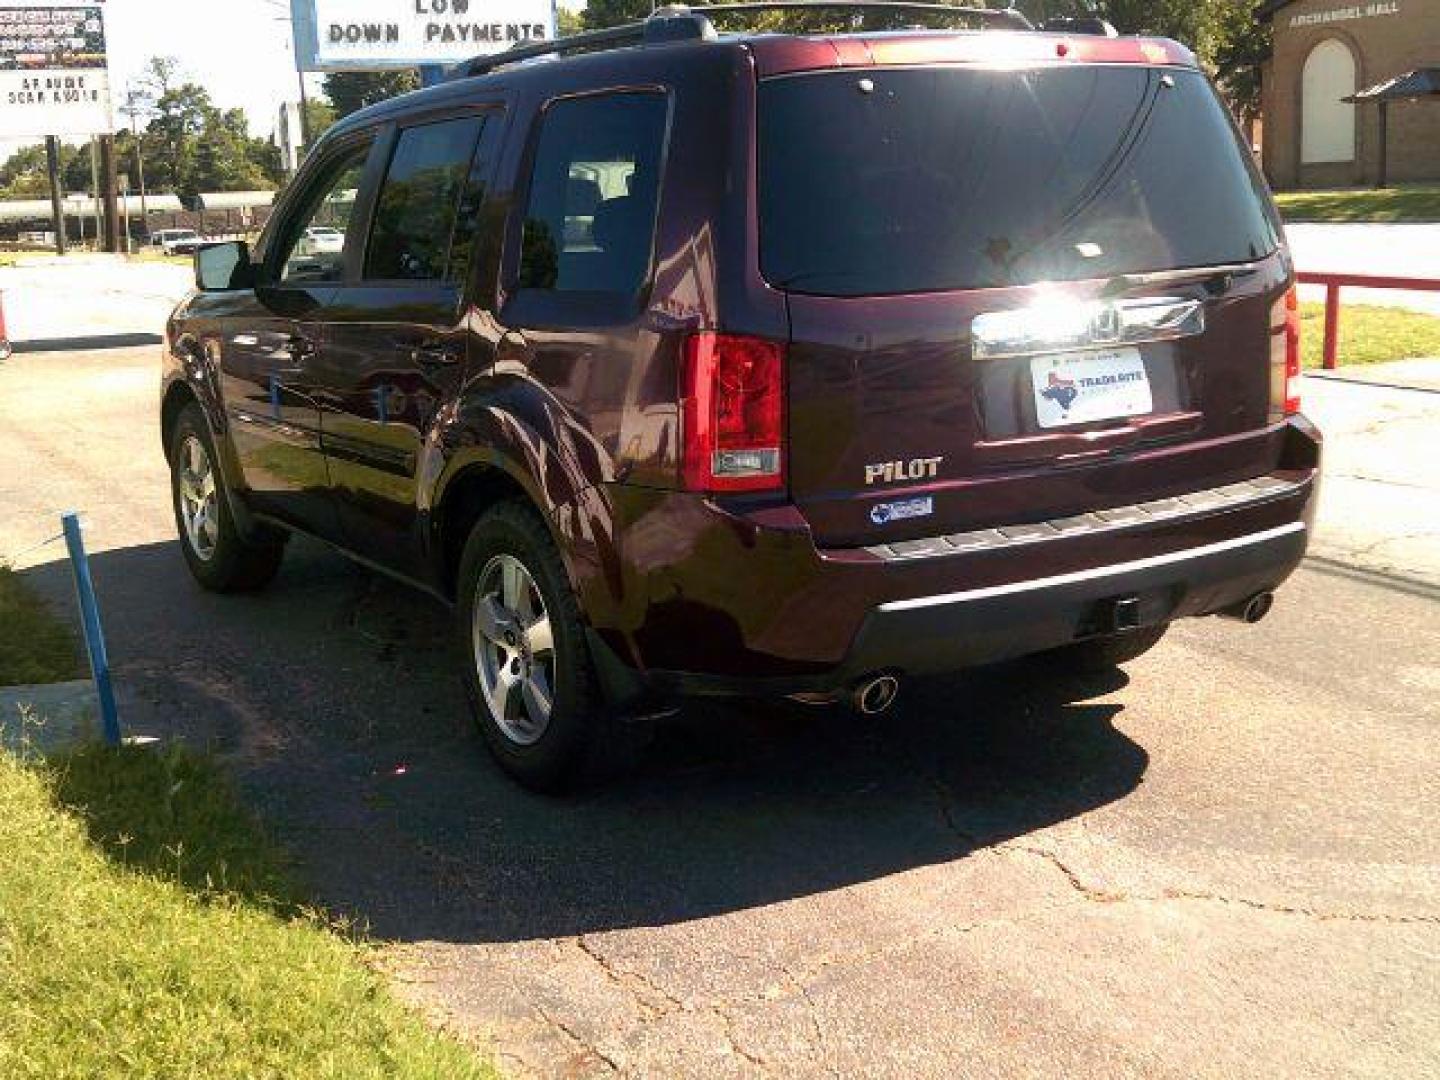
1221	862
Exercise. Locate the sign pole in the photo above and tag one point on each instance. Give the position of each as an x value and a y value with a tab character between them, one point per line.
52	164
304	119
108	180
1383	181
125	215
90	622
95	185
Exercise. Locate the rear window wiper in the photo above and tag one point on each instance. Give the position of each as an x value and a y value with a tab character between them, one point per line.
1216	279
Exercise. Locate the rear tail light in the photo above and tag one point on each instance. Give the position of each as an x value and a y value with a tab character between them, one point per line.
1285	356
732	395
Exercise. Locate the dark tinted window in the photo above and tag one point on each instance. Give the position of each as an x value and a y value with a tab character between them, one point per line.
314	243
590	215
915	180
415	212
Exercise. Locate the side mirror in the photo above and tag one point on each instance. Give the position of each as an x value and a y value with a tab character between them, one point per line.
224	267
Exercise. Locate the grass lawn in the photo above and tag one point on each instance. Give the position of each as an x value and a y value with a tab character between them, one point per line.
1369	334
1392	204
148	929
35	647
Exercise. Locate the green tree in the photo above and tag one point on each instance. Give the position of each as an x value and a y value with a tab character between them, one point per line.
75	174
568	22
351	91
602	13
173	136
1178	19
1234	45
319	116
24	176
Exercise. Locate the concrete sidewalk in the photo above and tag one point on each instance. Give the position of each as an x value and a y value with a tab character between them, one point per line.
1380	500
90	299
1402	249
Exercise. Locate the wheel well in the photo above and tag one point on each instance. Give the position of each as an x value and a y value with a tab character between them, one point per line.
176	398
468	497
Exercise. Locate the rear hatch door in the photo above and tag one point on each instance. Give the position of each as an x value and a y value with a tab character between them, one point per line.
1003	281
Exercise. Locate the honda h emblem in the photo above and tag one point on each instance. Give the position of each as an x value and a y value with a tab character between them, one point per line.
1105	327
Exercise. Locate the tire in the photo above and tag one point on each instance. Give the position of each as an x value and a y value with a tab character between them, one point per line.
220	559
511	582
1099	654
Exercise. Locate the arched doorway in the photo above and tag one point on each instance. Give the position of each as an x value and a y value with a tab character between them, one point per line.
1327	124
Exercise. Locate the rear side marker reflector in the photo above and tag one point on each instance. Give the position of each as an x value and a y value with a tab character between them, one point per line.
1285	356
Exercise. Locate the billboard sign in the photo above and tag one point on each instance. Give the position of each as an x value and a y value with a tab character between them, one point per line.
338	35
54	78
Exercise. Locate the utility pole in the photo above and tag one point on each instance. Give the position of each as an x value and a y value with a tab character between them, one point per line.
304	117
125	213
132	110
52	164
95	184
112	204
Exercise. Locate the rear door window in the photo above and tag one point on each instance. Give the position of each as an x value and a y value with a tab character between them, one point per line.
916	180
589	223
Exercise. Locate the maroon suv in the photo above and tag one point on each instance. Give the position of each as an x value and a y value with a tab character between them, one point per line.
764	363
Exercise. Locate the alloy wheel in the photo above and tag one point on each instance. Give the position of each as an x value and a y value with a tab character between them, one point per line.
199	504
514	650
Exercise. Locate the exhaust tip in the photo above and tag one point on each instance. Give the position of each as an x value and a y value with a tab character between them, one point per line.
874	696
1252	610
1258	606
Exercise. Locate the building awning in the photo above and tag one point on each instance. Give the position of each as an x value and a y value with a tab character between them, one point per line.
1422	82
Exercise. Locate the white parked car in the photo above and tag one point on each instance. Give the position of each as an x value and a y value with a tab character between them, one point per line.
321	240
177	241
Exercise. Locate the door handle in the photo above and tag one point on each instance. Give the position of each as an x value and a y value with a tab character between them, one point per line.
434	354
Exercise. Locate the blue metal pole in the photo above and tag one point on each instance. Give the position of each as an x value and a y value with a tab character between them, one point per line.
432	74
90	619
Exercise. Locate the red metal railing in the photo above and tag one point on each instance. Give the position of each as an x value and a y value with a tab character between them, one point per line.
1335	282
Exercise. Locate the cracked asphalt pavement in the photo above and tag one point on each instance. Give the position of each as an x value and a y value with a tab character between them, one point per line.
1222	862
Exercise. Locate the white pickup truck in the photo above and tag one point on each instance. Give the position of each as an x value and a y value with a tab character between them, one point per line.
177	241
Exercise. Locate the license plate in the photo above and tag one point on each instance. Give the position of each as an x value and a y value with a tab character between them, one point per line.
1078	388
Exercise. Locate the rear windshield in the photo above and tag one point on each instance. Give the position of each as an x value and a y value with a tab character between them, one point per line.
915	180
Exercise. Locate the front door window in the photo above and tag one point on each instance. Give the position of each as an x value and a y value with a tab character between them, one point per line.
314	243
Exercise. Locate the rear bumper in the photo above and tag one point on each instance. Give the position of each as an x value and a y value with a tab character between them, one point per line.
966	628
978	626
728	603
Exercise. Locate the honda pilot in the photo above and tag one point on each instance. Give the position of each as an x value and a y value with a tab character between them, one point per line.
684	362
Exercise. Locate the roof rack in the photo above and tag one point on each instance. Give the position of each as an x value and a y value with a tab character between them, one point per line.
678	22
1080	25
1007	17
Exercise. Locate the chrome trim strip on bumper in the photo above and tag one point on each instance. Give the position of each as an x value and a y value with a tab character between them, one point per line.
1113	570
1229	497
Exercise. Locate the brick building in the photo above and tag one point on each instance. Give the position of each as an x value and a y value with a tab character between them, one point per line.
1326	50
